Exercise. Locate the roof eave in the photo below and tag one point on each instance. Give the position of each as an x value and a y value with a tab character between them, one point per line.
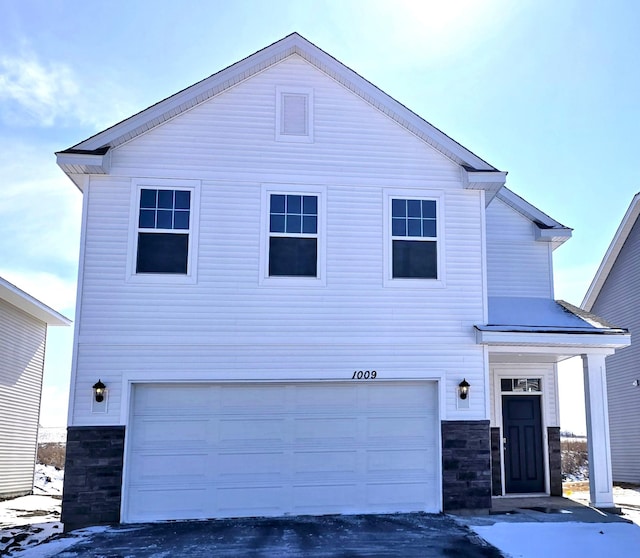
76	161
491	181
586	340
32	306
259	61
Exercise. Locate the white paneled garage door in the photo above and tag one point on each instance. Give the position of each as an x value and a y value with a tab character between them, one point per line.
232	450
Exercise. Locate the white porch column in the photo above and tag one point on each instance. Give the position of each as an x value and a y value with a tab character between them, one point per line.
597	411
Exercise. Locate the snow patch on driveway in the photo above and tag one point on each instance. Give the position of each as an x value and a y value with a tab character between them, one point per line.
587	540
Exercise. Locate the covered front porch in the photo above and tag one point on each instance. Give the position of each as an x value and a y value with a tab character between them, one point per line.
525	338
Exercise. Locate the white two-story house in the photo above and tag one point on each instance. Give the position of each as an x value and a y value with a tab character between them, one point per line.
296	296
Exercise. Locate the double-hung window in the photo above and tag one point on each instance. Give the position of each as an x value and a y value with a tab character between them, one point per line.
414	238
163	235
293	235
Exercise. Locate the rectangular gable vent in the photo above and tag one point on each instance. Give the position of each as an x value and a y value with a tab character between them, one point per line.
294	114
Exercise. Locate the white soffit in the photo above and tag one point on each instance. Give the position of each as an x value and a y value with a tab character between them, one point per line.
293	44
32	306
628	221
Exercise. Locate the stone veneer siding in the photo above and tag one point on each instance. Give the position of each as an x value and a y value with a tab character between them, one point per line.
466	465
92	476
496	462
555	461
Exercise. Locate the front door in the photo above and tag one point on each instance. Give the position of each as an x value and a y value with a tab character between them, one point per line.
522	430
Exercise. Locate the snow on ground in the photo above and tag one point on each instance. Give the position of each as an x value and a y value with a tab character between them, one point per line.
29	520
626	497
587	540
48	481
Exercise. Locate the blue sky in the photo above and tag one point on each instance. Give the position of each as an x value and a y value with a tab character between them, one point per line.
547	90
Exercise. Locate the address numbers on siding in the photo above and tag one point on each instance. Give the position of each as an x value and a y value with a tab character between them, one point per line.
364	375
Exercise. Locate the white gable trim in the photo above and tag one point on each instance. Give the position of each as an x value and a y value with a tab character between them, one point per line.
547	229
18	298
629	219
293	44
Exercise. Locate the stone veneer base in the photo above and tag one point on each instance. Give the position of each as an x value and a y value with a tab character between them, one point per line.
92	476
555	461
466	465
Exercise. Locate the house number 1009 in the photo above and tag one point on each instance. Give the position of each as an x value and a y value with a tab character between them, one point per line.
364	375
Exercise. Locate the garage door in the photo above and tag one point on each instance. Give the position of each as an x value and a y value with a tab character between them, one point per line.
234	450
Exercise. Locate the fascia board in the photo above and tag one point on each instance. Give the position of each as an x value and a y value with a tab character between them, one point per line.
32	306
84	163
489	181
531	212
557	236
292	44
586	340
610	256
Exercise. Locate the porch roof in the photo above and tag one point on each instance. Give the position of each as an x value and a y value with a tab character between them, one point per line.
540	322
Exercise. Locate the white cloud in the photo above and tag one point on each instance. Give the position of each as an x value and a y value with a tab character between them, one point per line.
47	93
55	292
40	92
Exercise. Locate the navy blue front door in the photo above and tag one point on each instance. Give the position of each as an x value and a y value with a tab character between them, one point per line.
523	456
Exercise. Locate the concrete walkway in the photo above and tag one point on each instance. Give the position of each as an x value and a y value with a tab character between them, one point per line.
547	509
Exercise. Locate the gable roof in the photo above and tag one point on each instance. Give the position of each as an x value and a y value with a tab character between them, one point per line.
547	228
92	155
32	306
612	253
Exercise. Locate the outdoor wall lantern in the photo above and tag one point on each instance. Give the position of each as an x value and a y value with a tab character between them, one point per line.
463	389
98	391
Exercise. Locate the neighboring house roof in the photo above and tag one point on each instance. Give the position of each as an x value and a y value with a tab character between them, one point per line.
547	229
92	156
629	219
25	302
531	321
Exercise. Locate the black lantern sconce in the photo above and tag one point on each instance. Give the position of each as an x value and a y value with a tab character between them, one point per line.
99	390
463	389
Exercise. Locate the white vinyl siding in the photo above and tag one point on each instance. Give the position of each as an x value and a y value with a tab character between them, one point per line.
22	345
229	325
619	303
517	265
232	135
232	450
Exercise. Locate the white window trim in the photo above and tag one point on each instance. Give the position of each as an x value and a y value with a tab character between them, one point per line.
306	91
321	279
191	276
411	283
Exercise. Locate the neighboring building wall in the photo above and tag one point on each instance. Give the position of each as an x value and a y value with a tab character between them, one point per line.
227	326
619	303
517	264
22	345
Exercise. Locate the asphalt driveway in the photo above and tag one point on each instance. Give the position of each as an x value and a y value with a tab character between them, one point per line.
405	535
